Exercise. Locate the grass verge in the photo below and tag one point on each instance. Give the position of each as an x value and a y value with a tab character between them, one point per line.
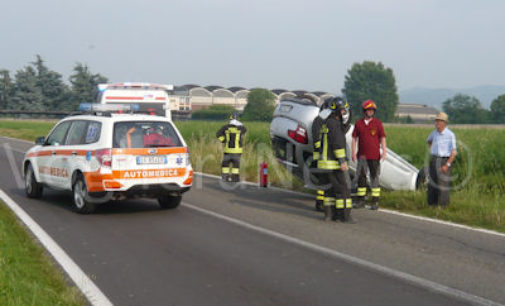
27	275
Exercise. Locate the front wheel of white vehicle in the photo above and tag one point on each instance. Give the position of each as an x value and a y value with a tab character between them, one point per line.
81	198
169	202
33	188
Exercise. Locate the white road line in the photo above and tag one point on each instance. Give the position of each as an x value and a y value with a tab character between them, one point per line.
83	282
387	211
448	223
427	284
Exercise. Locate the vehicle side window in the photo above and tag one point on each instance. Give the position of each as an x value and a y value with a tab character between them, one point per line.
76	133
93	132
58	135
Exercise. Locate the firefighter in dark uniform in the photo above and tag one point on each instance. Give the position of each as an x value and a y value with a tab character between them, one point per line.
324	112
332	159
232	135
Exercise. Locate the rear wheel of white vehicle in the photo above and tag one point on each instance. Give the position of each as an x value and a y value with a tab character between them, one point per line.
169	202
81	198
33	188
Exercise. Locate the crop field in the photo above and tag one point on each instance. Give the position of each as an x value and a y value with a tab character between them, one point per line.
477	199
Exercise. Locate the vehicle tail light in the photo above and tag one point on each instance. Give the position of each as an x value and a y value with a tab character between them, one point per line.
299	135
189	180
104	157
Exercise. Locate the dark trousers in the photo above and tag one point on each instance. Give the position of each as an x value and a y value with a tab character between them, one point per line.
363	166
439	183
233	174
339	190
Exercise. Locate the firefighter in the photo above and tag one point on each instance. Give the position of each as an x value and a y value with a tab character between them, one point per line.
371	135
324	112
332	159
232	135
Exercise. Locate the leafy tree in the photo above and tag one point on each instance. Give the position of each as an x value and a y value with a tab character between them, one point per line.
260	105
370	80
55	91
6	89
84	85
498	109
27	94
465	109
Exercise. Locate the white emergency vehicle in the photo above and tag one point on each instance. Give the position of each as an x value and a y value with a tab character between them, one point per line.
103	156
151	98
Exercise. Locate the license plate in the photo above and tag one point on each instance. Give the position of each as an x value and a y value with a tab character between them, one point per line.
142	160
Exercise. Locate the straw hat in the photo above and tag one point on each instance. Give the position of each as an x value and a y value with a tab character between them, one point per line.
442	116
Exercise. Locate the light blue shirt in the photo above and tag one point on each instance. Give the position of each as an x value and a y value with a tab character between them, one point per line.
442	144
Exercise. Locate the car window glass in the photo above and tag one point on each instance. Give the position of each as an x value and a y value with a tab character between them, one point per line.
142	134
93	132
76	133
58	134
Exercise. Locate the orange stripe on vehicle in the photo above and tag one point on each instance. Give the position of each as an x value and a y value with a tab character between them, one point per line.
124	98
94	180
58	152
149	173
145	151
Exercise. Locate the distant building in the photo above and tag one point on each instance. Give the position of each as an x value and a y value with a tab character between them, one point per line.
417	112
202	97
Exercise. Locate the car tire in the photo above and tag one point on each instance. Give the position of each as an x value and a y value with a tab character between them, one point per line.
169	202
82	204
33	188
422	178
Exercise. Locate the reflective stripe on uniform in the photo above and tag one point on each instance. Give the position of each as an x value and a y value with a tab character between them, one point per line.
315	155
317	144
348	203
328	164
236	141
340	153
376	192
361	192
221	138
328	201
340	203
235	170
320	195
225	170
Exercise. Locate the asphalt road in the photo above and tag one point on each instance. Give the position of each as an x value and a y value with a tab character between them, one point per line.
229	247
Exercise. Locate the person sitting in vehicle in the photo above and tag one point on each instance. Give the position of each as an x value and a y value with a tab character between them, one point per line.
155	138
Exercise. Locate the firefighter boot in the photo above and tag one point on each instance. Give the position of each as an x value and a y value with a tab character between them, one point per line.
225	177
359	202
375	203
328	212
347	216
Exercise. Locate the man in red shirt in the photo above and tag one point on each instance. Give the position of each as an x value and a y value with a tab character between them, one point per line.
370	134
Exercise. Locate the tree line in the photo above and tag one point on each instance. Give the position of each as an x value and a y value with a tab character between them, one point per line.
37	88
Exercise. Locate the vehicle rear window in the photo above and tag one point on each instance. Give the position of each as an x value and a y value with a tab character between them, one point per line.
144	134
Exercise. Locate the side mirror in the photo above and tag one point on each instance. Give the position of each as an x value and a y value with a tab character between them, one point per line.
40	140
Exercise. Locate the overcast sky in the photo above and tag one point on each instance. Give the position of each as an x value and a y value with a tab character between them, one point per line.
291	44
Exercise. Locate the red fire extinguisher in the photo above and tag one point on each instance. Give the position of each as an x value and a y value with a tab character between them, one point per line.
263	174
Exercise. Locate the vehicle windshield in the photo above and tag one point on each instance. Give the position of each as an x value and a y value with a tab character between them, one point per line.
144	134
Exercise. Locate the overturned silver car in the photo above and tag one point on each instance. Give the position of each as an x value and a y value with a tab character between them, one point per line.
291	140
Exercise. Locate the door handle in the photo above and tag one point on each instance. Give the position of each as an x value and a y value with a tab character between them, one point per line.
74	153
53	153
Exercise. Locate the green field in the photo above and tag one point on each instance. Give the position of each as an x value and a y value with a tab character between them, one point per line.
27	275
478	199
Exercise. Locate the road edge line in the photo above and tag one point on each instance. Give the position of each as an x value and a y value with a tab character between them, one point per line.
88	288
412	279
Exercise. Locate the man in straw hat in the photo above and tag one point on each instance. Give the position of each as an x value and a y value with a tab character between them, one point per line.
442	143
